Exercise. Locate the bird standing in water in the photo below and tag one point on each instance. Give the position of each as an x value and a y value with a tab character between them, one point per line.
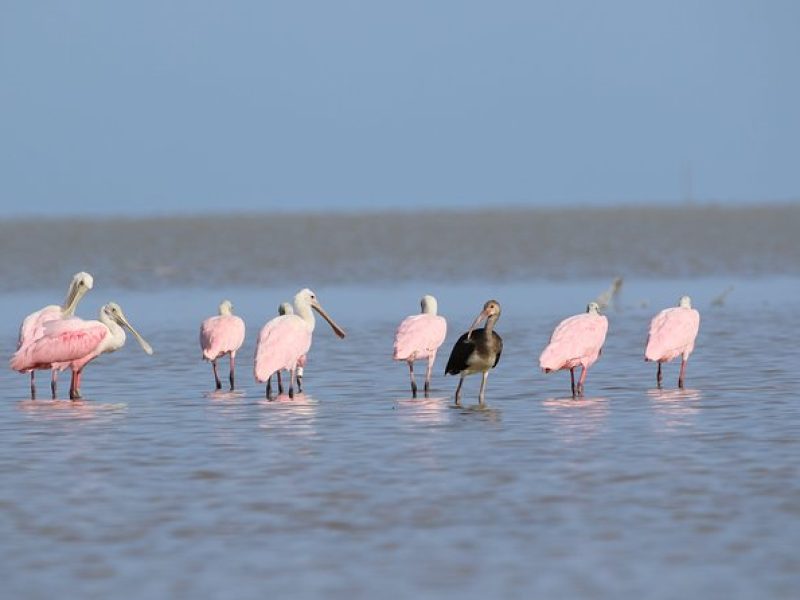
32	327
221	335
672	333
576	342
477	351
418	338
284	340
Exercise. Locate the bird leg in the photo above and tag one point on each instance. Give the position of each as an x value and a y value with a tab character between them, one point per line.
682	373
413	382
428	373
299	377
572	379
659	376
216	377
33	386
458	390
230	377
291	383
53	382
484	377
582	380
280	383
268	393
74	392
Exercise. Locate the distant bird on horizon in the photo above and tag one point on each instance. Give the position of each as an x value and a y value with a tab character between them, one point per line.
576	342
672	333
418	338
74	343
32	326
284	340
220	335
477	351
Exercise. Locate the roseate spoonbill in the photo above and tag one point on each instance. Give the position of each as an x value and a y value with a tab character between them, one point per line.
672	333
478	350
284	340
75	343
33	325
418	338
576	341
221	335
284	308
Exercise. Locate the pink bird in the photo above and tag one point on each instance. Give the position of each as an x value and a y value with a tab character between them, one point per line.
418	338
285	308
672	333
577	341
286	339
74	343
32	327
221	335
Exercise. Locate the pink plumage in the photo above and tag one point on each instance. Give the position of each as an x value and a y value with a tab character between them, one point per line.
282	342
672	333
576	342
33	325
61	342
419	336
221	335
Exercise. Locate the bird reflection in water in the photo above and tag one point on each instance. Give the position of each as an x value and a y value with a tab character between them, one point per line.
676	407
423	411
51	410
294	416
577	418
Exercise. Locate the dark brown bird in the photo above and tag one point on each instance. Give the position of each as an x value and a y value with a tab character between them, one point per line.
478	350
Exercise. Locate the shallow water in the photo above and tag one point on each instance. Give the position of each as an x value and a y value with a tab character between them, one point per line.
154	487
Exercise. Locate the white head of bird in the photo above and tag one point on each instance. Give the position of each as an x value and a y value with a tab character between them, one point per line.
81	283
284	308
112	317
593	308
685	302
304	301
226	307
428	305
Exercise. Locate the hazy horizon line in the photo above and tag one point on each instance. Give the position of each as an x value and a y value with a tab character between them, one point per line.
467	209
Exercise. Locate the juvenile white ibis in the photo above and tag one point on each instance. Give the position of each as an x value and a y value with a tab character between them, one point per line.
478	350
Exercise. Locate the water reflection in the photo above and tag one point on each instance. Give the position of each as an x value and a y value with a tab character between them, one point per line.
425	411
675	407
294	416
51	410
577	418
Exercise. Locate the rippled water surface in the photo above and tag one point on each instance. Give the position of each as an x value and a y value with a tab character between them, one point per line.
154	487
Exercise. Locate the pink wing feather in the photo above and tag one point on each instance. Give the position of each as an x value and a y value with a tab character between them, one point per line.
418	336
33	325
220	335
62	341
672	332
281	343
575	341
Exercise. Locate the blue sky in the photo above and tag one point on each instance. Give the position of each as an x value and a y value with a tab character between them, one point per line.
152	107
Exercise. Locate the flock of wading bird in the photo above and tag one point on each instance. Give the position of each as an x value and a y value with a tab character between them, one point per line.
52	338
